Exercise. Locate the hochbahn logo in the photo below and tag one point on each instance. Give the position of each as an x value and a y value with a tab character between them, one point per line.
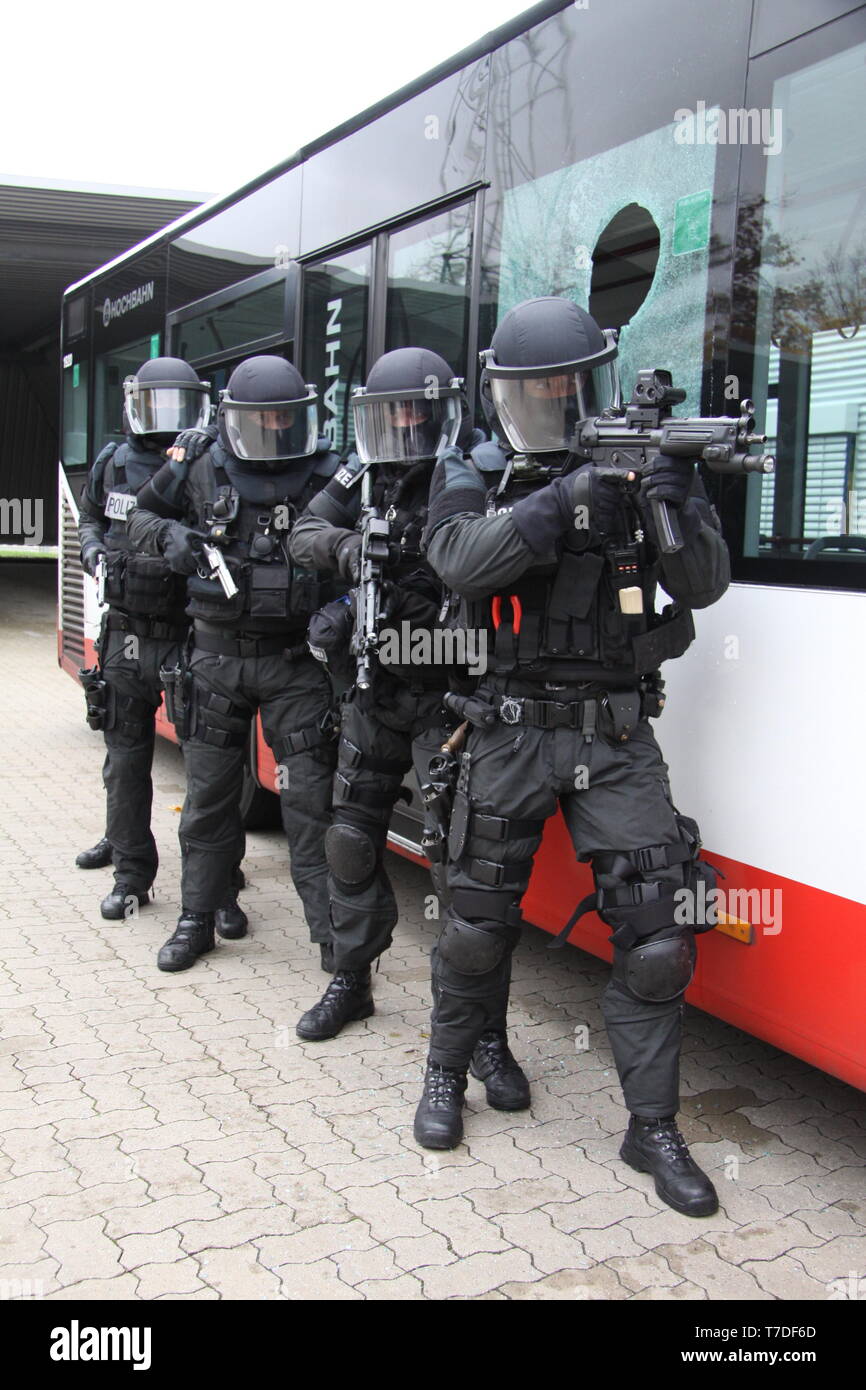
116	308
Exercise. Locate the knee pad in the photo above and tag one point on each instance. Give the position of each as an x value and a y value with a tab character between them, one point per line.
660	967
473	948
352	856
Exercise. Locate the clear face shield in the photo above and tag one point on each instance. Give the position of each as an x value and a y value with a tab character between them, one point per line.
405	427
272	430
540	408
166	407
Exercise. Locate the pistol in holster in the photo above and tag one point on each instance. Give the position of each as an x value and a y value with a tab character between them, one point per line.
177	684
95	695
437	793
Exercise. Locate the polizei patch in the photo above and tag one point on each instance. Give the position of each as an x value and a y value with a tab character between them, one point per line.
118	505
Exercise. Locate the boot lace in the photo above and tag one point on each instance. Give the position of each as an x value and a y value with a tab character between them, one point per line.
443	1086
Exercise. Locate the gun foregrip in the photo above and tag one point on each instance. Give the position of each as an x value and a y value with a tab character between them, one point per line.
670	537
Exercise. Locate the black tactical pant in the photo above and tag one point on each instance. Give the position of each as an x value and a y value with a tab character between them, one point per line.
294	698
383	735
130	667
614	797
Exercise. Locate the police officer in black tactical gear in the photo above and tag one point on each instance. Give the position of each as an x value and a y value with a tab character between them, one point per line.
145	620
411	411
239	500
560	561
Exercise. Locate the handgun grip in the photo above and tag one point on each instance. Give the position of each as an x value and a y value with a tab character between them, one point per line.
670	537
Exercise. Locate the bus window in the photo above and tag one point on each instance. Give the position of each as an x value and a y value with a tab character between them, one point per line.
334	337
253	315
75	384
112	368
802	282
428	286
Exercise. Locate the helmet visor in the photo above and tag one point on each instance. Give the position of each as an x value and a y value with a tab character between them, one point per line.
271	430
540	413
166	409
405	428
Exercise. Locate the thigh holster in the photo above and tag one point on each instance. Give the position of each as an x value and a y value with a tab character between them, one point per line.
218	721
318	738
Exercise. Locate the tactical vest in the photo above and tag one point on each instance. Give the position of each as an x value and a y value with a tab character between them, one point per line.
274	594
402	500
134	583
567	621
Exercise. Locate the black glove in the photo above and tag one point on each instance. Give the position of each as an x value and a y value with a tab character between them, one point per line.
181	547
90	558
598	497
348	558
194	442
670	481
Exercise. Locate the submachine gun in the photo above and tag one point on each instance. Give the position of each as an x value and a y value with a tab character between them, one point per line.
632	438
375	539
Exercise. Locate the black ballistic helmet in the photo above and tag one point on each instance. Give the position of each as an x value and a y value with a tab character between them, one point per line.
411	407
164	397
548	367
268	412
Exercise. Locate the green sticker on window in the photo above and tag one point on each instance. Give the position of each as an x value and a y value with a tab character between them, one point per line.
154	341
75	375
692	222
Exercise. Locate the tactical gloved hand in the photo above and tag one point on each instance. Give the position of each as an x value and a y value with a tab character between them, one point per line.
348	558
180	546
670	481
598	496
90	558
191	444
589	500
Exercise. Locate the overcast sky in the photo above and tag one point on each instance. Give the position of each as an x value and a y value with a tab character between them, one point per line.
201	95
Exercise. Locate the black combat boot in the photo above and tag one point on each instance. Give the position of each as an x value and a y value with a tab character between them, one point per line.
193	936
348	997
97	858
326	955
116	903
657	1147
504	1079
439	1118
231	920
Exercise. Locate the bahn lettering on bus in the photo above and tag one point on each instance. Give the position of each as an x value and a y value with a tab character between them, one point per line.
332	368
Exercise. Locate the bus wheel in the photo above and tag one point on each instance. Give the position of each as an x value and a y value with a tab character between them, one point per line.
260	809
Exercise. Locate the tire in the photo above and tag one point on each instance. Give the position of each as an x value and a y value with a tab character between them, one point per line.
260	809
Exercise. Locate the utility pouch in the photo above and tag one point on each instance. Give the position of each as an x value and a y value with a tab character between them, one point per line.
95	695
621	711
151	587
670	637
270	586
329	635
115	578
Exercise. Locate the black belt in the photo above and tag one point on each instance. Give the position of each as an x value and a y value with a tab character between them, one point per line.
246	645
145	627
545	714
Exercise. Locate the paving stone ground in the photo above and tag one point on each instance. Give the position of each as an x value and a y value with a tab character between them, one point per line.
169	1137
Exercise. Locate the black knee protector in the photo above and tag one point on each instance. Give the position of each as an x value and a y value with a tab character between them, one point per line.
474	948
352	856
660	967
